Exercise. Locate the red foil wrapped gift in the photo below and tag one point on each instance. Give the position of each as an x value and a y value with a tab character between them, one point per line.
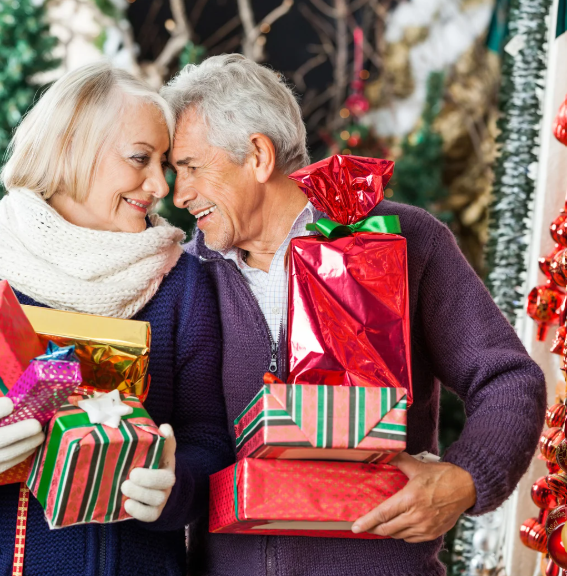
348	292
299	498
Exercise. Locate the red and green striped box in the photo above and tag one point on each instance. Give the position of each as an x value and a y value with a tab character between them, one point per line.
317	422
76	475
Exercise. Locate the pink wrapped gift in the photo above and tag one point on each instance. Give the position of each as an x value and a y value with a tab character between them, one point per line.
45	385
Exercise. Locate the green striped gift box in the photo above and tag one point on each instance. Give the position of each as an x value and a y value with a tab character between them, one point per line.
77	473
318	422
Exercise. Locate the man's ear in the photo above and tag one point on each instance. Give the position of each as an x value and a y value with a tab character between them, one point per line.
263	157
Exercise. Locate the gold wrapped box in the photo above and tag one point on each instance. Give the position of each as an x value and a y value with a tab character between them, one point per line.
114	353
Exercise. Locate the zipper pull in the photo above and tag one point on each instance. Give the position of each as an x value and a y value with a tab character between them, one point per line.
274	362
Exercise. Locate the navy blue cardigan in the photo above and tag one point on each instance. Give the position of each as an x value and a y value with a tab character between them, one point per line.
185	391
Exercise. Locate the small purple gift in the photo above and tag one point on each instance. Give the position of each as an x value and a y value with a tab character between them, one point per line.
45	385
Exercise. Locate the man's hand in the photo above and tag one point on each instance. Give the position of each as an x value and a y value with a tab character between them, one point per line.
148	490
427	507
19	440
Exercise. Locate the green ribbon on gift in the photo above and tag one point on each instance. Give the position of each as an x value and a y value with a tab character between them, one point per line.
377	224
63	423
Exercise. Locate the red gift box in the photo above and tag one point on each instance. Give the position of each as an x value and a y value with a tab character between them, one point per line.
299	498
348	291
18	342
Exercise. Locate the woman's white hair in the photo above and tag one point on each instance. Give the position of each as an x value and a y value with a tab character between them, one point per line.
58	145
237	97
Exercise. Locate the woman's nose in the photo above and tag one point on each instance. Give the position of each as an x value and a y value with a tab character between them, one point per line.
156	184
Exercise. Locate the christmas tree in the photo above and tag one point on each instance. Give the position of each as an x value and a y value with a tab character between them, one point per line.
25	50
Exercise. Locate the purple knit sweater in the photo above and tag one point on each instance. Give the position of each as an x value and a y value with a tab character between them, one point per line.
459	338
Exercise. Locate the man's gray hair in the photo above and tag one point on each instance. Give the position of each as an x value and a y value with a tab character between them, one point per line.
237	97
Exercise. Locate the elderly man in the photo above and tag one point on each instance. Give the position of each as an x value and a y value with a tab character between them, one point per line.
239	135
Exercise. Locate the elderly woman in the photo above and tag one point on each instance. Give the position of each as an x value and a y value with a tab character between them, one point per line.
77	233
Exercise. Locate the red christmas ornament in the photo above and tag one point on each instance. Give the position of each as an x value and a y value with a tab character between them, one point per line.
552	467
560	124
558	268
558	229
543	306
561	456
533	535
557	483
552	569
545	261
553	527
555	415
548	442
357	104
559	340
542	495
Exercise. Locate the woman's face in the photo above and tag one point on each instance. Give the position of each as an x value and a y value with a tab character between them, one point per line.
130	178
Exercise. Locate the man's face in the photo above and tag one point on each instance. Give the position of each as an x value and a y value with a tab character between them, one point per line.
221	194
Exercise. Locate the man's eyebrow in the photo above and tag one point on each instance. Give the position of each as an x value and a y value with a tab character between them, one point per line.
144	144
184	161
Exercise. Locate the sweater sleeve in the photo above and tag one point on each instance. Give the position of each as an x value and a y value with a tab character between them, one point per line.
476	353
199	417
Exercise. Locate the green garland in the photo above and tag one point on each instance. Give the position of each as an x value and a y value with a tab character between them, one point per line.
522	75
25	50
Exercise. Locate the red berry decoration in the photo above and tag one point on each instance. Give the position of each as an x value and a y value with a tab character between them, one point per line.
548	442
560	124
542	495
553	527
533	535
555	415
558	268
543	307
558	229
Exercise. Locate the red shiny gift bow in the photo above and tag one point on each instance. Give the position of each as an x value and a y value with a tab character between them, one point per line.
346	188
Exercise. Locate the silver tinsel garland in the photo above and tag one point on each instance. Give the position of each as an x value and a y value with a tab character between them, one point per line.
478	542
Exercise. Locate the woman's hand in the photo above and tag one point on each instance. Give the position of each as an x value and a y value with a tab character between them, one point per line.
19	440
148	490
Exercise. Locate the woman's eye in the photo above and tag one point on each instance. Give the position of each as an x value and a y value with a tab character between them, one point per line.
142	160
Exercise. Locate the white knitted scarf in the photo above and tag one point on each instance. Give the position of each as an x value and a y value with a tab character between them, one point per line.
78	269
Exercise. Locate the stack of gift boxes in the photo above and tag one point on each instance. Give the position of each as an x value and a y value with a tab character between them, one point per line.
51	363
313	453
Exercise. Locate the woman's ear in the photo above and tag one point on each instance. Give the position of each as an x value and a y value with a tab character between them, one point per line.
263	157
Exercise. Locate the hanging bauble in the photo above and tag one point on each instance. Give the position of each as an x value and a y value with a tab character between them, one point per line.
560	124
357	104
542	495
551	569
552	467
548	442
533	535
558	343
543	306
545	261
558	268
555	415
558	229
561	455
557	483
554	527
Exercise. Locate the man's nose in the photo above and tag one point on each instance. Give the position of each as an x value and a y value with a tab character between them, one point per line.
183	195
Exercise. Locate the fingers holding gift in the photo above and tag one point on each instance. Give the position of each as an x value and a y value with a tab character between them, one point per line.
18	441
153	479
7	464
20	432
6	407
142	512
